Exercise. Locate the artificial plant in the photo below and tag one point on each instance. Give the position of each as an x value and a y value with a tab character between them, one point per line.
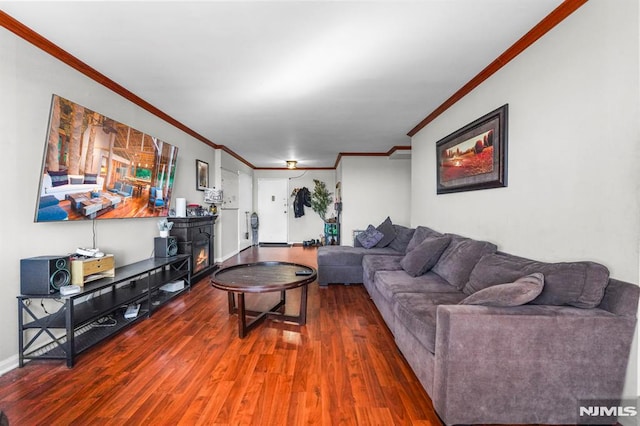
320	199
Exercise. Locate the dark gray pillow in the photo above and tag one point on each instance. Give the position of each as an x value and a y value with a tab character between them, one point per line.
421	259
403	236
458	260
388	232
419	236
370	237
521	291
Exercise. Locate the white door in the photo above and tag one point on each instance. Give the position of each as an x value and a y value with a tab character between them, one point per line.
272	210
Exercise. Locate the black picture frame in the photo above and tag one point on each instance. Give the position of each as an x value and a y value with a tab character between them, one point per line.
202	175
475	156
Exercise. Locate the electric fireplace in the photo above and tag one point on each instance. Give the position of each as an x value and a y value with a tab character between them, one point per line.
196	237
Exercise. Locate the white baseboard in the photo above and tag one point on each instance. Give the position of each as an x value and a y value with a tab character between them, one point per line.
8	364
228	256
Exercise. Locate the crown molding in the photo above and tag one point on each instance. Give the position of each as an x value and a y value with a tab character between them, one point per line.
558	15
370	154
57	52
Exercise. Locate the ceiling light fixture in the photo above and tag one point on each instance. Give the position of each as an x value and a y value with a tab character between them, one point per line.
291	164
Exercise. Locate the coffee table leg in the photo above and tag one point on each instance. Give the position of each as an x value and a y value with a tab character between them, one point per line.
242	319
232	302
303	305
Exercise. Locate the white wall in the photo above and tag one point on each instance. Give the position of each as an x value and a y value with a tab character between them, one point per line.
28	78
574	145
245	208
230	223
309	226
373	188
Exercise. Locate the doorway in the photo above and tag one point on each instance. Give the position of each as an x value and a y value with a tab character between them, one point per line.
273	210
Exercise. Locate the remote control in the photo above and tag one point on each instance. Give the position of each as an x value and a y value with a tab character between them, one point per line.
132	311
304	272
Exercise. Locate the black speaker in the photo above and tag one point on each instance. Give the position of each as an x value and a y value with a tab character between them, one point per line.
165	247
44	274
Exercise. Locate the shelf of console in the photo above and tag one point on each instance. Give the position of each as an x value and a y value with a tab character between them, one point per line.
97	312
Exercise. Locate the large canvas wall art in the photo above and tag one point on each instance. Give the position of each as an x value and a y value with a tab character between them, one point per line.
474	157
94	167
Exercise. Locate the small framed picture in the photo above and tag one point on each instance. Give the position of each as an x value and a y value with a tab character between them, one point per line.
202	175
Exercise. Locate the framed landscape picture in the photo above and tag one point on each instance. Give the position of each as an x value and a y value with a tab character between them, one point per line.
475	156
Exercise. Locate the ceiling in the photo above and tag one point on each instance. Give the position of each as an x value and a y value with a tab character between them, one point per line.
280	80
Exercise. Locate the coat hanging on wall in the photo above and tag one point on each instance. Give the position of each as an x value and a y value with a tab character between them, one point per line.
302	198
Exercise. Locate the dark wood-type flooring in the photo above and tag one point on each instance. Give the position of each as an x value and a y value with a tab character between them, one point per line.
186	365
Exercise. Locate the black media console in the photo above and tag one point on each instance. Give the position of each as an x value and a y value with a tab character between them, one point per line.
97	312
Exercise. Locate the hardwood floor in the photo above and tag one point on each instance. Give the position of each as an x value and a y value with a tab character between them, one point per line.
136	206
186	365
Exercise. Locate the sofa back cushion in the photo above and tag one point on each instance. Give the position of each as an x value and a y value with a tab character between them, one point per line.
91	178
403	236
579	284
459	259
58	178
422	258
419	235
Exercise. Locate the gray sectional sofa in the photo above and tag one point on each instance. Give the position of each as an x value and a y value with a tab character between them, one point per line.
492	337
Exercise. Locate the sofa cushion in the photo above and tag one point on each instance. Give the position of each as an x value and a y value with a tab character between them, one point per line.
372	263
521	291
58	178
370	237
47	200
347	255
580	284
417	313
424	257
495	268
401	241
91	178
420	233
51	213
459	259
388	232
390	283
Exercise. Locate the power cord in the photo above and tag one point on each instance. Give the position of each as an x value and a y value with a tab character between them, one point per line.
94	233
108	321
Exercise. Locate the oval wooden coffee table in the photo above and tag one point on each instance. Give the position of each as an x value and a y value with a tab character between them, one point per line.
264	277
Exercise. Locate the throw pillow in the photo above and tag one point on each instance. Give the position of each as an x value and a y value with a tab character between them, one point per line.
419	260
91	178
388	232
457	261
59	178
419	236
401	241
521	291
76	180
370	237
